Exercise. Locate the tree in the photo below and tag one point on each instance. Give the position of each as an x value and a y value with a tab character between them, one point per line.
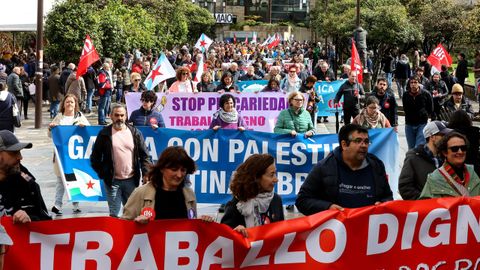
200	20
470	28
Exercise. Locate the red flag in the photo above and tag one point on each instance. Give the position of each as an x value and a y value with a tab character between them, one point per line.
274	42
356	63
89	56
234	38
439	57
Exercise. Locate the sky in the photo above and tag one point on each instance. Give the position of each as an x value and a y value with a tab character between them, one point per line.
21	14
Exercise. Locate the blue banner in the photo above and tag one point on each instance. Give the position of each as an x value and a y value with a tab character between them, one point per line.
326	91
217	154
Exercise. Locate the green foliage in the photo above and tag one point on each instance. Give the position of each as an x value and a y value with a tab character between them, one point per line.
117	26
66	27
470	34
200	21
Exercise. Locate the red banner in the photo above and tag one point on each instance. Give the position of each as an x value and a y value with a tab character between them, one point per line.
356	63
430	234
88	57
439	57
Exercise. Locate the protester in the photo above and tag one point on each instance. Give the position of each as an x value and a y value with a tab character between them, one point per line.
27	96
76	87
15	87
272	86
70	115
227	117
418	107
402	73
206	83
254	202
351	91
461	72
227	84
8	106
476	74
250	75
295	119
105	86
55	91
371	116
64	76
461	122
323	73
313	98
420	161
348	177
387	102
147	115
184	84
274	73
90	79
454	178
20	195
120	158
291	82
137	84
167	192
438	89
456	102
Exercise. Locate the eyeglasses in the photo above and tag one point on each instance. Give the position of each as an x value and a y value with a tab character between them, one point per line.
298	99
458	147
457	94
145	100
184	73
360	140
137	80
292	71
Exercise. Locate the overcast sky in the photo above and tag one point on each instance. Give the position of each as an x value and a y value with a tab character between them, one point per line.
22	12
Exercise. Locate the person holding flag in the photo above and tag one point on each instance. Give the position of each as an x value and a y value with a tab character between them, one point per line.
162	71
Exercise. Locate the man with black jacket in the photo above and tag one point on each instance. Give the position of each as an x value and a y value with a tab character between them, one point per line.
421	161
118	157
348	177
418	107
388	104
20	195
351	91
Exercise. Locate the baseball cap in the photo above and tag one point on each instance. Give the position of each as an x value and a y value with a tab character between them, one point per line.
9	142
435	127
4	238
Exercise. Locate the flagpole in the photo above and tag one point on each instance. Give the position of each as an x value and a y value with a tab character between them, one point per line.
39	71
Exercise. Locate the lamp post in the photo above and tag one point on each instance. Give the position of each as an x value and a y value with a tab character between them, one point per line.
39	71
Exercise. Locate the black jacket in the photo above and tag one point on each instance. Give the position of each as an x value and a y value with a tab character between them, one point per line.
350	101
416	167
417	108
320	189
20	192
233	218
101	159
388	106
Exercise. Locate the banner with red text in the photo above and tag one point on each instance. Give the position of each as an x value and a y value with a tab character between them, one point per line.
430	234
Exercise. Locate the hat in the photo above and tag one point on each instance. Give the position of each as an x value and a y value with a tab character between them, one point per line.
457	88
435	127
4	238
9	142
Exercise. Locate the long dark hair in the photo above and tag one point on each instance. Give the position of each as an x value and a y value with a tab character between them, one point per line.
171	158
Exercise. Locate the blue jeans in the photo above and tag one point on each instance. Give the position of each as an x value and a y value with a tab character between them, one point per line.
89	99
401	87
103	106
414	135
118	194
54	107
389	79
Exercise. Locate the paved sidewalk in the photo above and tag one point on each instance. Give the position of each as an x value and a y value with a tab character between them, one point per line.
39	161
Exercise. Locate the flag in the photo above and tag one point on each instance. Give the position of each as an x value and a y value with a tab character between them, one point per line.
198	75
267	40
254	38
88	57
161	71
439	57
246	40
356	63
89	187
234	38
274	42
203	43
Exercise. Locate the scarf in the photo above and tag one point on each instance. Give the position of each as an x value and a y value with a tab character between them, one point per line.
454	180
292	81
253	208
228	117
371	121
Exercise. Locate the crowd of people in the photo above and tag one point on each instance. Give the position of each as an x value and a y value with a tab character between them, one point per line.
442	159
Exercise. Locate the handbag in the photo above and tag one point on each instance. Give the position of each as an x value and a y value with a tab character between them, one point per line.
17	122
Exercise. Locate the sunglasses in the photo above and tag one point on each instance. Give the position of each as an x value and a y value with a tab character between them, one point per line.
145	100
184	73
458	147
137	80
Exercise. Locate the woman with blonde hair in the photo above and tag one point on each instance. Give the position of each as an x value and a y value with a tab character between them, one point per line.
137	84
69	115
184	83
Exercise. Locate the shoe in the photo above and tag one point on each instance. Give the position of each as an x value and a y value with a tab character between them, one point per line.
56	211
319	120
325	120
290	207
221	209
77	211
